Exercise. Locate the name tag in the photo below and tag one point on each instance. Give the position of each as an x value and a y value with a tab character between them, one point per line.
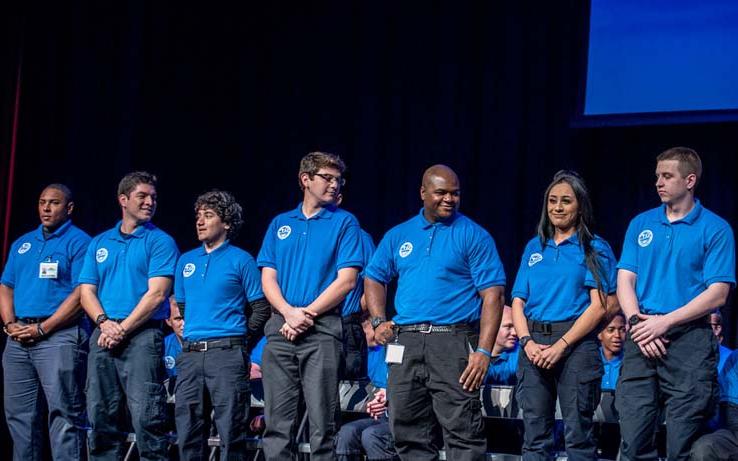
394	353
48	270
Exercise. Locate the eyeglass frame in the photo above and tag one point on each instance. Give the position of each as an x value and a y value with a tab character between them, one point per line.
329	178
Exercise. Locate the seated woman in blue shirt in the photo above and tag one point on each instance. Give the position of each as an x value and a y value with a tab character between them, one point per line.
559	298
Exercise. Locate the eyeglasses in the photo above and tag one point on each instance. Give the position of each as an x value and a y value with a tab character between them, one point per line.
329	178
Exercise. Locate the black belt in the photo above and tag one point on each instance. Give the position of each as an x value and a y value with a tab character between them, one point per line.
32	319
548	328
203	346
430	328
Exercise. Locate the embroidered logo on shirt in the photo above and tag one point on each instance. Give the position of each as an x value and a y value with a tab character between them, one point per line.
23	248
169	362
644	238
534	259
284	232
405	249
101	255
188	269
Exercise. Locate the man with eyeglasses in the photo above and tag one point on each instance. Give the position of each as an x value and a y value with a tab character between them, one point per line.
310	259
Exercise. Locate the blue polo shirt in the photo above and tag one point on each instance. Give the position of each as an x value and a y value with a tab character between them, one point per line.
723	355
376	366
502	371
677	261
728	380
34	296
441	267
612	371
308	253
172	349
258	351
352	304
215	287
554	280
121	266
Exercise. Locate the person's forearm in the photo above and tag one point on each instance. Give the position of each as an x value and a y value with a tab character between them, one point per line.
66	312
261	310
712	298
335	292
272	291
7	309
90	302
146	307
626	293
518	315
375	296
588	321
493	301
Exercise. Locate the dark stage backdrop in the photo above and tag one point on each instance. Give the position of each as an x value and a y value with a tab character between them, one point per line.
231	97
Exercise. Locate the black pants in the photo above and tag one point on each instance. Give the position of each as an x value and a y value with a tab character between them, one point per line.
721	444
575	380
425	388
308	368
685	379
354	350
216	379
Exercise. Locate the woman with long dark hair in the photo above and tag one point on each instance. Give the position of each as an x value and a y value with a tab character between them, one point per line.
559	298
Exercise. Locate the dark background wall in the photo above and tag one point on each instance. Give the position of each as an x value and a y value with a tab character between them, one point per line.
233	96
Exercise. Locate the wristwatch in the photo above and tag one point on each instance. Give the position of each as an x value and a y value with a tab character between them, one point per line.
376	321
100	319
633	319
524	340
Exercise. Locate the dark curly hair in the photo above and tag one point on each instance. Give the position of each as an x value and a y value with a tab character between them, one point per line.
225	206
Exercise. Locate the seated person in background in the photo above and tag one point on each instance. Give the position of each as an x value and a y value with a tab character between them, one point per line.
256	358
173	343
611	348
370	435
723	443
504	361
716	322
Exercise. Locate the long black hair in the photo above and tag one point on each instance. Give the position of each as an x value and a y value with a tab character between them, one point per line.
584	224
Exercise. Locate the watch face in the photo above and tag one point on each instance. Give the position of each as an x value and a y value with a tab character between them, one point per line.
633	320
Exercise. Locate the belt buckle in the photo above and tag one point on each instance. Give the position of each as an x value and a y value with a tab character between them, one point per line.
205	346
429	330
547	329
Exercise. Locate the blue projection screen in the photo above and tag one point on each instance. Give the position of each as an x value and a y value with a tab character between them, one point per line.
649	56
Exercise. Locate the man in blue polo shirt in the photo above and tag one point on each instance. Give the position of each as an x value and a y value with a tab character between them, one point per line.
354	340
173	341
44	359
310	260
723	443
215	285
677	265
449	303
505	352
124	284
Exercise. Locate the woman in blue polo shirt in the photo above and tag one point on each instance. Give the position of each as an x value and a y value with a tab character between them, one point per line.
559	297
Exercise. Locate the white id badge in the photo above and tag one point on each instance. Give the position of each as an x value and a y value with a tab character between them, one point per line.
394	353
48	270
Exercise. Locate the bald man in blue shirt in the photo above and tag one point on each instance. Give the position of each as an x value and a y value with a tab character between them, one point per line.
449	302
677	266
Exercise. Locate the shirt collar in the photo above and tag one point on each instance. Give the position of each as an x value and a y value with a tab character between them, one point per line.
139	232
615	359
57	233
573	239
425	224
326	212
691	217
222	247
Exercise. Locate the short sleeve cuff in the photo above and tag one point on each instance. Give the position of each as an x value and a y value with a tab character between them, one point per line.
519	294
718	279
627	267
